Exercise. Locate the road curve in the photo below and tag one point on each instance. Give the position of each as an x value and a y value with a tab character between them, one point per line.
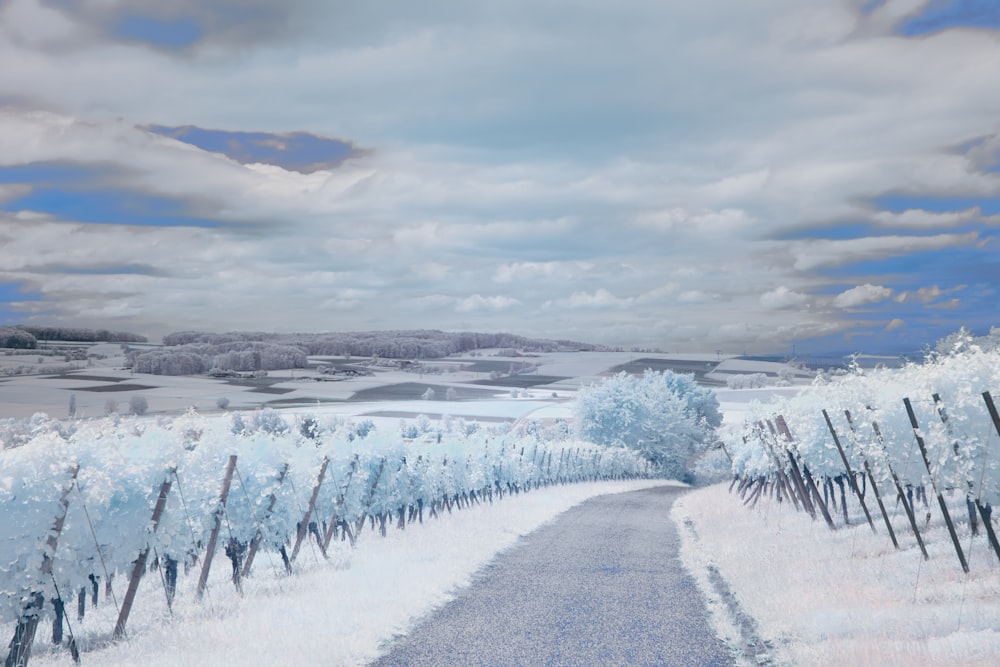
600	585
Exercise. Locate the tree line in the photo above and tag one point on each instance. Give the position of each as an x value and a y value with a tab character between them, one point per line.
411	344
27	337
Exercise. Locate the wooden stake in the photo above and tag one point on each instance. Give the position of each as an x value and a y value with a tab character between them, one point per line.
304	525
969	503
19	648
850	473
901	494
874	485
941	503
214	538
258	537
139	567
810	483
335	519
783	482
985	511
796	473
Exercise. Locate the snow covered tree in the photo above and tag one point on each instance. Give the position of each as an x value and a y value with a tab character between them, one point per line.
663	415
138	405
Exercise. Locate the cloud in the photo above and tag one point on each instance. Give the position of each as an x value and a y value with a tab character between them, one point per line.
822	253
617	210
921	219
523	271
600	298
479	302
782	297
895	323
862	295
694	296
678	219
930	294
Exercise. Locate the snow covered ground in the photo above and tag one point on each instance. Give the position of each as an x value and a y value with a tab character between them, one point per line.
847	597
328	613
814	597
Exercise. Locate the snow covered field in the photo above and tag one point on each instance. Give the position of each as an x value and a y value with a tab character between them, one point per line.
847	597
771	575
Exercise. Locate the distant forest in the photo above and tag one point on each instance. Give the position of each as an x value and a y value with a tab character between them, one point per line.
27	337
193	352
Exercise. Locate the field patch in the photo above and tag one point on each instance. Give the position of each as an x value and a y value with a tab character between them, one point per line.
89	378
409	391
698	368
402	414
114	387
271	390
522	381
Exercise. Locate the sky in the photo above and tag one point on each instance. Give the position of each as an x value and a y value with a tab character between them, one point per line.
731	176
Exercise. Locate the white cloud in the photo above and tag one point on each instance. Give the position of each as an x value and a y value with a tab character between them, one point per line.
920	219
895	323
862	295
930	294
522	271
694	296
600	298
479	302
706	222
825	253
482	192
782	297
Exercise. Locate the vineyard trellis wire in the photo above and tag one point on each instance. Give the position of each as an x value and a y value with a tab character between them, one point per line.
83	507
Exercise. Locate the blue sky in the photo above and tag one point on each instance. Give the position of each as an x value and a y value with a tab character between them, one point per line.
724	176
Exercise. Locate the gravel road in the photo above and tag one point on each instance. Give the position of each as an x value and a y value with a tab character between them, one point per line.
601	585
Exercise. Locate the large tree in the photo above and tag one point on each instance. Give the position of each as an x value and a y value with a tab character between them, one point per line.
663	415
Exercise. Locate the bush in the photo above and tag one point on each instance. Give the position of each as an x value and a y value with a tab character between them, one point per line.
663	415
138	405
269	421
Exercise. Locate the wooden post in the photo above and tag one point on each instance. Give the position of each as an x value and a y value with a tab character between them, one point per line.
941	503
874	485
371	496
783	482
796	473
810	483
304	525
19	648
214	538
901	494
140	563
969	504
985	511
332	526
850	473
258	537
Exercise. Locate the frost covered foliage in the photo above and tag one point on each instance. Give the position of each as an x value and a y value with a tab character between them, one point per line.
663	415
962	443
242	356
963	341
747	381
104	480
17	338
418	344
17	432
